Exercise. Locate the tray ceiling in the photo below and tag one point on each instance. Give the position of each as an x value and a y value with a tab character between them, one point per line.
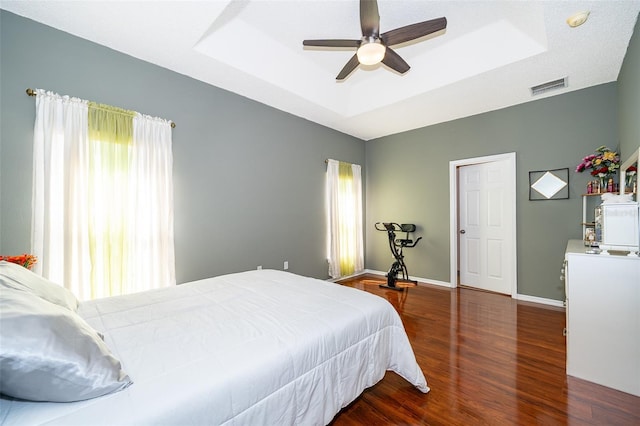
488	58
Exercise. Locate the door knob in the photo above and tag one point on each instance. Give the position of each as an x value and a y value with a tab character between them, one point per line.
462	231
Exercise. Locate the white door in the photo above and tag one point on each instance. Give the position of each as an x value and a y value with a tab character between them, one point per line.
485	227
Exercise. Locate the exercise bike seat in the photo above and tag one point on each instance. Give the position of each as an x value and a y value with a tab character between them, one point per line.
408	227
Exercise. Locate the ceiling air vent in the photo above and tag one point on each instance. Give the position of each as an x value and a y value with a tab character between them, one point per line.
551	85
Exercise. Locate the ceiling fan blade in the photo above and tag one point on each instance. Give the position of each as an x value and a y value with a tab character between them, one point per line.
414	31
369	18
348	68
332	43
394	61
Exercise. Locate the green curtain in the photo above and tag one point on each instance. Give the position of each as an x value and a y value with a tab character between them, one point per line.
110	138
346	227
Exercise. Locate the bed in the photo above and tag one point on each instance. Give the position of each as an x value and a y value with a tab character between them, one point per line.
255	348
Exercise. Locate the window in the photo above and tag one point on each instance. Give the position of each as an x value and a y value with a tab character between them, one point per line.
344	212
103	198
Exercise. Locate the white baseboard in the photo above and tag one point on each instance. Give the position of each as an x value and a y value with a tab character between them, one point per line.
541	300
346	277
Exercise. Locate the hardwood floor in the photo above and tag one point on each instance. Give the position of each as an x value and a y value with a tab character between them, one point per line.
488	359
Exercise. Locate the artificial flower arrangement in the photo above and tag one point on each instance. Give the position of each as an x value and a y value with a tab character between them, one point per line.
605	163
26	260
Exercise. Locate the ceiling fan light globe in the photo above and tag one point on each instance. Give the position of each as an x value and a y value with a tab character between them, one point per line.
371	53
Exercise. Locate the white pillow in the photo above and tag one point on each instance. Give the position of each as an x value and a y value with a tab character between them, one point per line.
18	277
49	353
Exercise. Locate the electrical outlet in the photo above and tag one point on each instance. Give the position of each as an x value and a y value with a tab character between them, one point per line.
259	267
286	265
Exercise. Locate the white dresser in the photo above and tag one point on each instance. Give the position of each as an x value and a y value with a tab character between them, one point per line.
603	318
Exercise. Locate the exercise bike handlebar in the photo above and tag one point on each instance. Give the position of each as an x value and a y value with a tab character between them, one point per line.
387	226
413	244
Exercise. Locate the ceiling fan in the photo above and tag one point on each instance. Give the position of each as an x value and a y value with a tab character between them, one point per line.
374	47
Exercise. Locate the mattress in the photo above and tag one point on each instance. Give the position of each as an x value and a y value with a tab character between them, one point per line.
253	348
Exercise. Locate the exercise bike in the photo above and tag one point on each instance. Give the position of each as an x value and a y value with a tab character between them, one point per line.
397	245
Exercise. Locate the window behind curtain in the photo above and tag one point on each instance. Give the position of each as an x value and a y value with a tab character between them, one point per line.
110	150
344	213
103	198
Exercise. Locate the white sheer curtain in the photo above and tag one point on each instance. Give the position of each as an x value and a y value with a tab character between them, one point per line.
150	215
344	213
60	175
64	197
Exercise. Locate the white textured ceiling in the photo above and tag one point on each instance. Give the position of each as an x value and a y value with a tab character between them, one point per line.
490	55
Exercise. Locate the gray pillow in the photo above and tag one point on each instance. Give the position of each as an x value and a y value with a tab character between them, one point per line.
20	278
49	353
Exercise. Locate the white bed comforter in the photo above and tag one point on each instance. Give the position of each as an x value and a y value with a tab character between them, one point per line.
254	348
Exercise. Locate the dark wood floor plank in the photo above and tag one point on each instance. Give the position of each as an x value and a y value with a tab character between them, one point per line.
488	359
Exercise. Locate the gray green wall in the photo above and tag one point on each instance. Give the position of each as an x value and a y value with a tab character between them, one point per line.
408	181
249	179
629	96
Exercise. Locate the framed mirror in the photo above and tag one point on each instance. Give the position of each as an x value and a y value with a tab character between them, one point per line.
549	184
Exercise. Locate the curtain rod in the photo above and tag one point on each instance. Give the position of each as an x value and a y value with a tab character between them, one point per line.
31	92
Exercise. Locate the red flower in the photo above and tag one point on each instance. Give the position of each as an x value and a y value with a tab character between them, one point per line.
26	260
601	170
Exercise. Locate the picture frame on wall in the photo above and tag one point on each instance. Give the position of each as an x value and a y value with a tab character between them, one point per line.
549	184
